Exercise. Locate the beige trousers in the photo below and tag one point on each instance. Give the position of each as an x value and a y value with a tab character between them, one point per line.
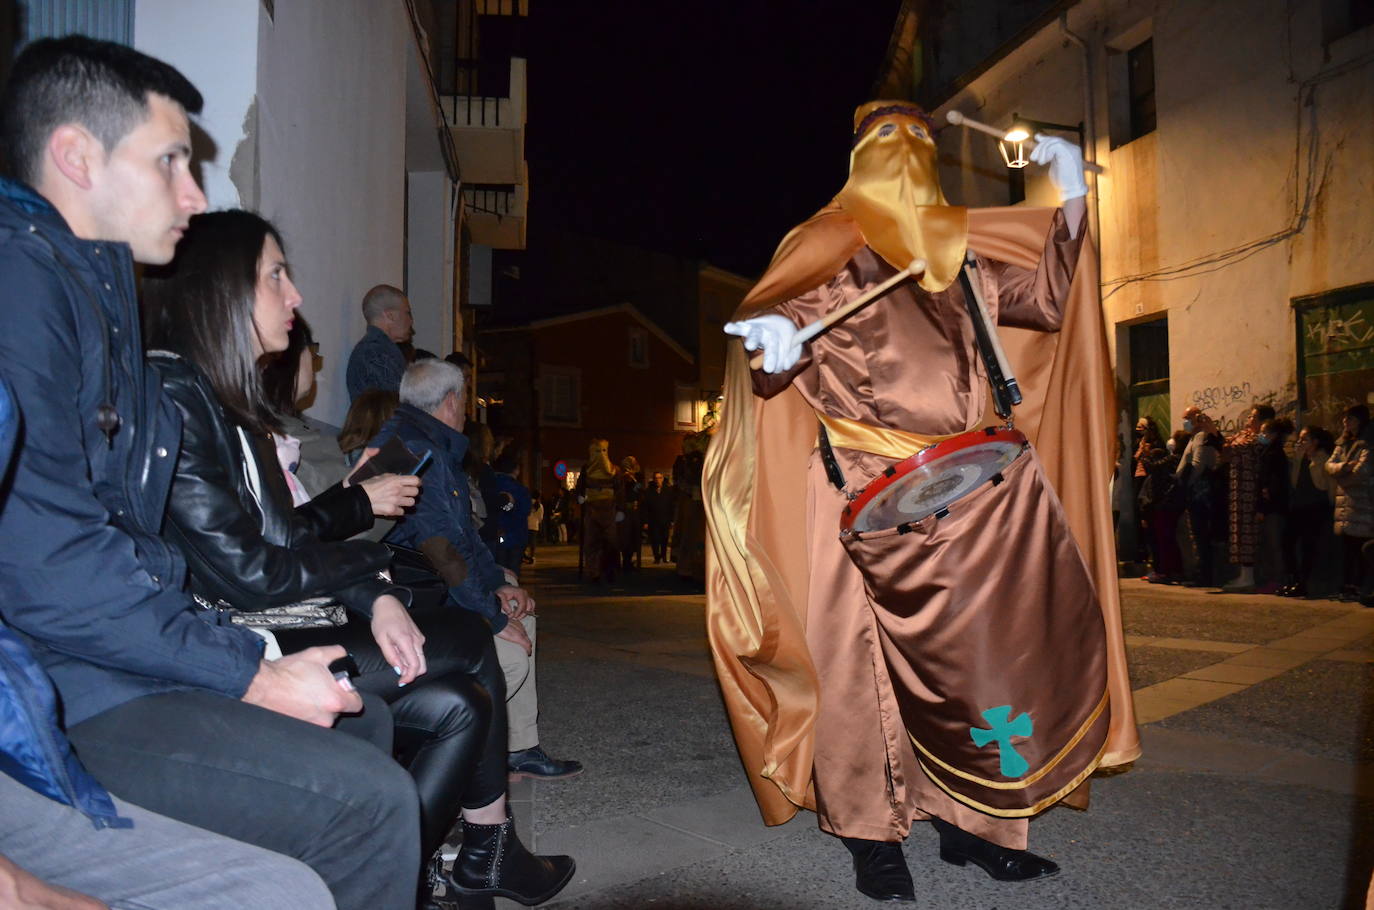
522	698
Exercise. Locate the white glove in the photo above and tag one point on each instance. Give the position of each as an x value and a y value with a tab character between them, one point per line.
1066	165
775	335
619	516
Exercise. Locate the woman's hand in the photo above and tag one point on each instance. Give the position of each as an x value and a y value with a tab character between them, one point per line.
515	633
399	638
391	494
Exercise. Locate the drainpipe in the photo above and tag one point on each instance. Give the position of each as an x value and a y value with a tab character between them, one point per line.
1089	121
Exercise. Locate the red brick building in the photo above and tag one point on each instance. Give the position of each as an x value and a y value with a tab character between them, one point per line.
553	385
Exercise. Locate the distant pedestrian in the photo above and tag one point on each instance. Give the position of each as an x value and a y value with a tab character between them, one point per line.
1199	474
1242	455
1162	502
1275	499
658	506
599	497
535	525
631	530
1353	470
1310	511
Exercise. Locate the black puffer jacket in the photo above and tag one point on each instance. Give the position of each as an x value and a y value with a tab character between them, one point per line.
254	552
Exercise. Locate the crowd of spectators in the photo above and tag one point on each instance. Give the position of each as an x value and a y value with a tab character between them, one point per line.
218	686
1263	510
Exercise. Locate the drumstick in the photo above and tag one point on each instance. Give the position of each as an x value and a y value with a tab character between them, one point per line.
958	119
811	330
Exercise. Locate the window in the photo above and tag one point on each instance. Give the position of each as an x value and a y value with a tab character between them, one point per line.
685	415
639	347
1149	353
560	400
1335	353
1140	80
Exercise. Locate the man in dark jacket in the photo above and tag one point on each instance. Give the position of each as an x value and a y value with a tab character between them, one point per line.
62	832
658	507
430	419
377	360
169	709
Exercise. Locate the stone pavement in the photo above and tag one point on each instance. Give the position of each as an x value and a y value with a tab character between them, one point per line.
1256	789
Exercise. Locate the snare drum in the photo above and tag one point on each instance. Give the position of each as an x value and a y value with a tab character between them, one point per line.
933	480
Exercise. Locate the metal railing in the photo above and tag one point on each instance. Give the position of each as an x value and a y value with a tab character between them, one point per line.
497	199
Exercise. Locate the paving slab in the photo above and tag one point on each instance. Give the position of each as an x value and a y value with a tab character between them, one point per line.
1234	673
730	818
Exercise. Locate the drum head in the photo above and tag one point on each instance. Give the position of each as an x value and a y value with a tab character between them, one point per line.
932	479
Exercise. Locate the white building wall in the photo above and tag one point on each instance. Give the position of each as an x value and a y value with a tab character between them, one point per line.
1204	218
331	162
216	46
429	260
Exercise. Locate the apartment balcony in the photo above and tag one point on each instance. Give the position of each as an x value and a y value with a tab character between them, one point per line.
489	132
496	213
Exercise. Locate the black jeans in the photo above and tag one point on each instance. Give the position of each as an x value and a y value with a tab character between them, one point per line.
658	538
1303	528
334	801
1200	516
450	723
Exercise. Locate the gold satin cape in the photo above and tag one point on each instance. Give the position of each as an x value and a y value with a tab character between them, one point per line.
755	482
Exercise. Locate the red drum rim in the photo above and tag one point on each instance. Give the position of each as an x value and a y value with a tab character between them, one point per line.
940	450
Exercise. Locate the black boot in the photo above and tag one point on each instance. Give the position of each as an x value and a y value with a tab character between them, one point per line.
493	861
880	870
957	846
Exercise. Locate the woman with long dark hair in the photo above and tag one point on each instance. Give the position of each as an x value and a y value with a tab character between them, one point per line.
224	303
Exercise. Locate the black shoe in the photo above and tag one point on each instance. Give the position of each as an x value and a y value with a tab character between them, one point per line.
880	870
492	861
536	763
957	846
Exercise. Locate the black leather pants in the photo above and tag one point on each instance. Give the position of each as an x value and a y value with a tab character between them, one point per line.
450	723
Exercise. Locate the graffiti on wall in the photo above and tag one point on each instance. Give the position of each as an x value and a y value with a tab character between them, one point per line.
1229	405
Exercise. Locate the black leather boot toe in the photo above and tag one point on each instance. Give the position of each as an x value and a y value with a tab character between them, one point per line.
880	870
957	846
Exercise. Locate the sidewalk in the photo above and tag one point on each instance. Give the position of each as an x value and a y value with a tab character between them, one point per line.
1256	789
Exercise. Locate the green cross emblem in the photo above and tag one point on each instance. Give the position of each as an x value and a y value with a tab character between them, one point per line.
1001	732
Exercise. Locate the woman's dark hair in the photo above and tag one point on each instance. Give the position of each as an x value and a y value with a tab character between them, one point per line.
1359	412
507	461
1181	439
200	305
279	372
1322	438
1277	428
365	417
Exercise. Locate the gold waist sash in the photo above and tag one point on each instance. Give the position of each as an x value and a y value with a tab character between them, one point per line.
853	434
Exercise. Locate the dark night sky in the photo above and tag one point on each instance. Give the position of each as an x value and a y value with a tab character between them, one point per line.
703	128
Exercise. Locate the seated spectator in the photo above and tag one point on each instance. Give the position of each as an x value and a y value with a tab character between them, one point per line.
1353	469
512	511
288	382
430	418
231	515
377	360
64	841
169	709
365	417
1310	510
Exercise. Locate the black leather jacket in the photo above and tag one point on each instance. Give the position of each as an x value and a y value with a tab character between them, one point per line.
253	554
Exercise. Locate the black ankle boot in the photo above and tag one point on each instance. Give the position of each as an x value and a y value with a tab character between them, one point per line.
957	846
493	861
880	870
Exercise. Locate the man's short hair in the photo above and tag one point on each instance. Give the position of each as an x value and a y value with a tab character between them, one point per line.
427	383
99	85
381	299
1264	411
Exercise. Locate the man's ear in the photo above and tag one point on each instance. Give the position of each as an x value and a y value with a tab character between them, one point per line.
73	152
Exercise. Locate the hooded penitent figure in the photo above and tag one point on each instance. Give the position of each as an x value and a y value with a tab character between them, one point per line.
967	667
597	487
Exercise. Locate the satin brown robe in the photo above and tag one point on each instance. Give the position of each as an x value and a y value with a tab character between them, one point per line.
796	670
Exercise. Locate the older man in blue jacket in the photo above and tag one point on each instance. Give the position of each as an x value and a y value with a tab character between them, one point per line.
169	709
430	419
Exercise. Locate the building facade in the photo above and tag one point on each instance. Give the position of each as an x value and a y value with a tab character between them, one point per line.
1233	214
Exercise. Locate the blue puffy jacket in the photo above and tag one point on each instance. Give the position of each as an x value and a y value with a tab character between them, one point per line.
33	749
